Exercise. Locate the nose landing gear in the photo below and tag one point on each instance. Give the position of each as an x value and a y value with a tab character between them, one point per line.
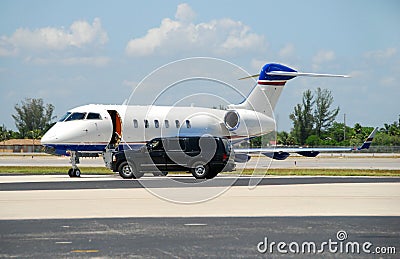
74	160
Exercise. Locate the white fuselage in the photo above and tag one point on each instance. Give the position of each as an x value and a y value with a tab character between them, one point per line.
94	126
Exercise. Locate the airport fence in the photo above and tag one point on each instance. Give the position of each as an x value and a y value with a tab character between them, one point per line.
382	149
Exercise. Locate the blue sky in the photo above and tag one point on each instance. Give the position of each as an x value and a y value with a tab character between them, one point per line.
72	53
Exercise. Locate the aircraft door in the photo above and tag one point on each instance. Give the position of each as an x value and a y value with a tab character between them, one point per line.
117	129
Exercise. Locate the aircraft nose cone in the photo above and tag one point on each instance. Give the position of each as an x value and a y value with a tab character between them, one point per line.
49	137
46	139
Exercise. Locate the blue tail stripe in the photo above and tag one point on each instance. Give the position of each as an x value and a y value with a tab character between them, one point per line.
275	67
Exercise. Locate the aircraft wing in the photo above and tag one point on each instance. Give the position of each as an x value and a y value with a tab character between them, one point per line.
281	153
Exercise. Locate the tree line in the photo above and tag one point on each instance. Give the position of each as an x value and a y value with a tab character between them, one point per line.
32	119
314	124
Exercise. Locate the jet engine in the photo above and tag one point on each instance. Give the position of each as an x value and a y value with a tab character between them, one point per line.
277	155
232	120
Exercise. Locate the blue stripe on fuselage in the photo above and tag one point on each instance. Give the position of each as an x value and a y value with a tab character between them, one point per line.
61	149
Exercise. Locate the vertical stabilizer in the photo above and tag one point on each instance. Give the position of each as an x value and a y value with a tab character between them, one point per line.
264	96
271	80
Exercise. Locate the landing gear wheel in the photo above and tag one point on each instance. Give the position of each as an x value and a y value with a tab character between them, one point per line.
74	160
77	172
200	170
74	172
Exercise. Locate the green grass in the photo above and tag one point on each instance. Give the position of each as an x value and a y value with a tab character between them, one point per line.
320	172
38	170
49	170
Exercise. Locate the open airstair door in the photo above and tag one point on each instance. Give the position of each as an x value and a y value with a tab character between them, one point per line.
117	129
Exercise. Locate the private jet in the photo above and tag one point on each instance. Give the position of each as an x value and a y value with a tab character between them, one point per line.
95	129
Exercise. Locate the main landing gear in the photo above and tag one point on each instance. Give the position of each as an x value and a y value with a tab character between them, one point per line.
74	160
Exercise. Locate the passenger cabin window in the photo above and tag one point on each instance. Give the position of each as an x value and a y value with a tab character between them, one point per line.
135	124
64	116
93	116
146	123
156	124
177	124
188	124
76	116
166	122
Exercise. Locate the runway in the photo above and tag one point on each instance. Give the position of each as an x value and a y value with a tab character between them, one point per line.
108	196
104	216
200	237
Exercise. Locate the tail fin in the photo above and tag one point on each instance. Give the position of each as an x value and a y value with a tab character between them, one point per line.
271	81
368	141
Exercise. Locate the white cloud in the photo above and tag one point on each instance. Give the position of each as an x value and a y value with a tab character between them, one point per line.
218	37
185	13
80	34
322	56
381	54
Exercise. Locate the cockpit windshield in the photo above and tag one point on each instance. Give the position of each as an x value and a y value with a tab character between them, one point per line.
76	116
69	116
64	117
93	116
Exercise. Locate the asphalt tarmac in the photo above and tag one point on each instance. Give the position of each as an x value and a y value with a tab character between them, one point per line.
205	237
13	183
108	197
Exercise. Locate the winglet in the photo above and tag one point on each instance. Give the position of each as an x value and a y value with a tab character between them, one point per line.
368	141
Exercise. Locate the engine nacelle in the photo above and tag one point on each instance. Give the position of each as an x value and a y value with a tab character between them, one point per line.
242	158
277	155
232	120
308	153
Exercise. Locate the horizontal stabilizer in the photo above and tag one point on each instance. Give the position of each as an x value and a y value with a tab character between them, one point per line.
288	73
247	77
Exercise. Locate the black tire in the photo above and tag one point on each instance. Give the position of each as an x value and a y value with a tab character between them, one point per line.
128	171
70	172
212	174
200	170
125	170
74	172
